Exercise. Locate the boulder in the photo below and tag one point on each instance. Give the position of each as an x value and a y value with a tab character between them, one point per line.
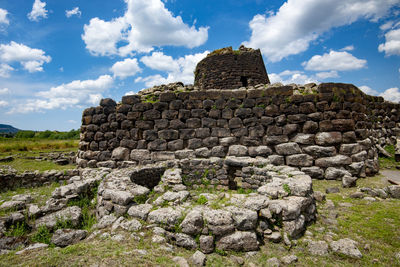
244	219
185	241
319	248
333	173
198	258
349	181
206	243
193	223
120	153
164	216
238	241
140	211
346	247
66	237
71	214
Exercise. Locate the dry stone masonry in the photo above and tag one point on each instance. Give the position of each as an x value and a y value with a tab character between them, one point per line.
329	131
230	69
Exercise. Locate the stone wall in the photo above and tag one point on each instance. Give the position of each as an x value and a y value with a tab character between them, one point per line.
328	131
228	69
11	180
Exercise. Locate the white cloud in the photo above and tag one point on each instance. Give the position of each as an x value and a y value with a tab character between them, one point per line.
5	70
3	17
130	93
287	77
386	26
4	91
3	103
38	11
348	48
31	59
297	23
159	61
125	68
368	90
74	11
392	94
73	94
339	61
180	69
328	74
72	121
392	43
145	24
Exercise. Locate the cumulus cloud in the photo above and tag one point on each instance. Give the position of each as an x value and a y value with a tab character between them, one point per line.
38	11
338	61
368	90
5	70
125	68
4	91
3	103
73	94
348	48
72	12
145	24
391	46
287	77
180	69
392	94
31	59
3	17
297	23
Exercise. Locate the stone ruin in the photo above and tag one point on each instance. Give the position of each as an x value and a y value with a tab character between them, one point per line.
220	167
232	130
230	69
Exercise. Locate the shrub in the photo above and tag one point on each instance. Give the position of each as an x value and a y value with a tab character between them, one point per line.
42	235
202	200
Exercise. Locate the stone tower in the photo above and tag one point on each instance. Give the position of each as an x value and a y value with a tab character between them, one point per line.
231	69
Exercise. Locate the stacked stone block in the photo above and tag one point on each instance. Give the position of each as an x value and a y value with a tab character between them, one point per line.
322	129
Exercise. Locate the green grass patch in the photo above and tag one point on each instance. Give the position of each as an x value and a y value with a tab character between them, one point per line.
39	194
18	230
202	200
31	144
22	165
42	235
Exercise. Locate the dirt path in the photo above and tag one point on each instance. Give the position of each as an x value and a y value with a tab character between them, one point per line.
393	175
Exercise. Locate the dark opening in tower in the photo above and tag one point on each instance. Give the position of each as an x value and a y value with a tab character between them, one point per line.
243	80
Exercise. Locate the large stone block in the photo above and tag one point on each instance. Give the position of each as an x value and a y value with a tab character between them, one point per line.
288	149
328	138
299	160
335	161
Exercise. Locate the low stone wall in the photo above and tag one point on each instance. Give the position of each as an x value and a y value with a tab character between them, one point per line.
281	207
10	179
329	131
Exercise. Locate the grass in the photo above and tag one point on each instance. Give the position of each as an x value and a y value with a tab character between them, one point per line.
376	224
24	159
39	194
388	163
42	235
17	144
22	165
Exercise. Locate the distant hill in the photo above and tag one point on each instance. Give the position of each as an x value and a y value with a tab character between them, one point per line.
4	128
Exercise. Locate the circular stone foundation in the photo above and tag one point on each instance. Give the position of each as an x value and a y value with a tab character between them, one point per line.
236	203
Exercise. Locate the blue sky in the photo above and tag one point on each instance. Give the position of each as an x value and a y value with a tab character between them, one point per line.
59	57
